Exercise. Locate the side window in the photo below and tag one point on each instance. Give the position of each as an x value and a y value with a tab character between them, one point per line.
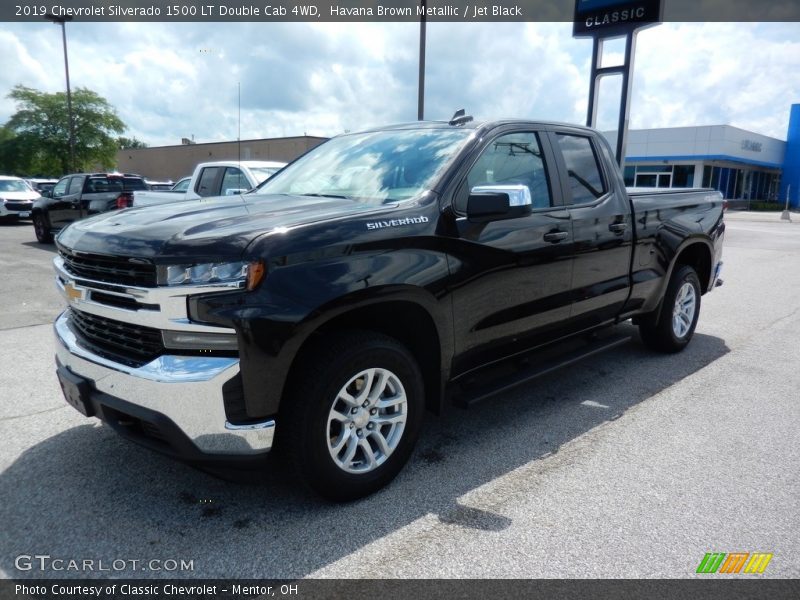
76	185
514	158
585	181
60	188
234	179
205	186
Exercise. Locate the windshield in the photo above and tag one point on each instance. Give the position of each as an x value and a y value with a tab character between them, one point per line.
13	185
263	173
182	185
373	168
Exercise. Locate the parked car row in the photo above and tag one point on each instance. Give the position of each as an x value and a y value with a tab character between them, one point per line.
57	203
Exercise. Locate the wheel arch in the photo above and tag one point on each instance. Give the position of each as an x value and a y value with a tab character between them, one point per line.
403	319
695	252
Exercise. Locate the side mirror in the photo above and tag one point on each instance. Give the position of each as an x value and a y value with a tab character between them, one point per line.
47	193
497	202
234	191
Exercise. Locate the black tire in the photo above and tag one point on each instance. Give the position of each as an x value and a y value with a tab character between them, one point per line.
303	428
42	229
657	330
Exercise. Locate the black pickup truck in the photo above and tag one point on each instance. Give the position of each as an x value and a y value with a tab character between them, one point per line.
381	274
80	195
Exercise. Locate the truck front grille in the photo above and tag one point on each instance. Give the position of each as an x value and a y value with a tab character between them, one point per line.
109	269
133	345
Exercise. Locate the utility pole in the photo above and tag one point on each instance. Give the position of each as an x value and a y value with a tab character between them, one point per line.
421	84
61	20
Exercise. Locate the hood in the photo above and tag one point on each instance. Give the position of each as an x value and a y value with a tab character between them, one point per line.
19	196
208	228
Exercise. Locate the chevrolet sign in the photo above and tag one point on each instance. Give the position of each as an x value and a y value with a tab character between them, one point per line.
610	18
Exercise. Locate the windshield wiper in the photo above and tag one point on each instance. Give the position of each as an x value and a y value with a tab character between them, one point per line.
328	196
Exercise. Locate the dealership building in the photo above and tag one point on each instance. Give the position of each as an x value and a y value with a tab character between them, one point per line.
741	164
174	162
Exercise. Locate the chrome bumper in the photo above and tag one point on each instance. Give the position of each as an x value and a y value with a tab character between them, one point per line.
185	389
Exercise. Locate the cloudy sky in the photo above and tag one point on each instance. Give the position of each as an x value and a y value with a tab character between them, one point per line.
174	80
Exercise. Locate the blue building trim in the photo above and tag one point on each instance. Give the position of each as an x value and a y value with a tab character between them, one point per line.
791	165
697	157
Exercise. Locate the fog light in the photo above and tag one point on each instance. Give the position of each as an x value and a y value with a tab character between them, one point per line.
188	340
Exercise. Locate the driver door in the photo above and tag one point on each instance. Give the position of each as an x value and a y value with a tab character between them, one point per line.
60	207
512	275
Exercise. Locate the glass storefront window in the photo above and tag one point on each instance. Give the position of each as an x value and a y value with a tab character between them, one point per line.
707	176
630	176
683	176
645	180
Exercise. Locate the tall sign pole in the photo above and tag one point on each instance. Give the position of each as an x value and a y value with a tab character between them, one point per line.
61	20
603	20
421	83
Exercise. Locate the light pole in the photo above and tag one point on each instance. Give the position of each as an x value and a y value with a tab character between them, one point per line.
61	20
421	84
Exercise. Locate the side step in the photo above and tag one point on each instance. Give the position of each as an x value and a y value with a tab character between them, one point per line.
467	395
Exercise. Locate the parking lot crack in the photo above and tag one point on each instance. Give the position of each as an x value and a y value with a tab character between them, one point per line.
33	414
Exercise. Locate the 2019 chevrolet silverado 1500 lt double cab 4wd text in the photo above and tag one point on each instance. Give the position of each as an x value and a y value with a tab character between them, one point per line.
377	276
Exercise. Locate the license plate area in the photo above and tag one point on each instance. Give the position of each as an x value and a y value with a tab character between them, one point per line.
76	391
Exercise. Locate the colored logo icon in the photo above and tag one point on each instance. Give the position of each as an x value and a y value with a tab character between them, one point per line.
734	562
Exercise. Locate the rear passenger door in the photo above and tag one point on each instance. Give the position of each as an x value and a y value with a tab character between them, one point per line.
511	277
601	225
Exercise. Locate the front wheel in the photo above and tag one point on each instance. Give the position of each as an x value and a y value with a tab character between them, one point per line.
41	229
352	414
672	327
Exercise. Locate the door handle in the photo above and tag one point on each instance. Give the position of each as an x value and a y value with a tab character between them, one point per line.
618	227
555	236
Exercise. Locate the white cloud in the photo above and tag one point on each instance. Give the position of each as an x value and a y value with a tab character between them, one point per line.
170	81
740	74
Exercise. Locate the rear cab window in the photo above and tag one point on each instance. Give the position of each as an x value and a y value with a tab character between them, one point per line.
130	184
100	184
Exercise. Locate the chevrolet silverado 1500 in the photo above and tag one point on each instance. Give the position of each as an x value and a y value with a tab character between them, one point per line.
382	274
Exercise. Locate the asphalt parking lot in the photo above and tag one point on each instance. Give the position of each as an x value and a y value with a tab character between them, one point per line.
629	464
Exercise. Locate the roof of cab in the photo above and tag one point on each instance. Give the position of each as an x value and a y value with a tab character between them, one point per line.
474	125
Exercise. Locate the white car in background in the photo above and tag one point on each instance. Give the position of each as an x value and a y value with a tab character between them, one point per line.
16	197
218	178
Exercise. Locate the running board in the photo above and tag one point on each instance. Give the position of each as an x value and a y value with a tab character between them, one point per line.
473	394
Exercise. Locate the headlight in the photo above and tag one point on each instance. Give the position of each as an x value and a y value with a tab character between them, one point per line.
249	274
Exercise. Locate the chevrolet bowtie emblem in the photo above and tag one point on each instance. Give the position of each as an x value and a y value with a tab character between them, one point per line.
72	292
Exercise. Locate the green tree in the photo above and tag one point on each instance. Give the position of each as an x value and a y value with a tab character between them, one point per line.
40	130
125	142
